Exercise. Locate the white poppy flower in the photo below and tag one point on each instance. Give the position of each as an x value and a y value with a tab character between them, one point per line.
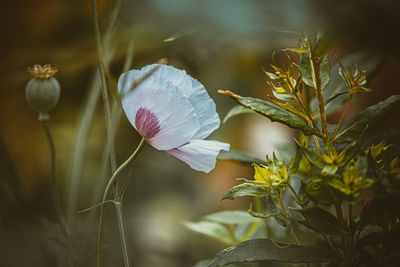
173	112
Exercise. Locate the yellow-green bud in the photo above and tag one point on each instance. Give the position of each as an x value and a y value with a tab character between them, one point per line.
43	90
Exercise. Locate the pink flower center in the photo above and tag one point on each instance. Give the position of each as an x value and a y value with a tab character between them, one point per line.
147	123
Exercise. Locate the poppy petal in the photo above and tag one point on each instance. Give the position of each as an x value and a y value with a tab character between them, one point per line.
158	110
204	106
200	155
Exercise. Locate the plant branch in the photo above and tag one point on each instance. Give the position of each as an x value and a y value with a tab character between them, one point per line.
105	195
54	191
314	64
342	116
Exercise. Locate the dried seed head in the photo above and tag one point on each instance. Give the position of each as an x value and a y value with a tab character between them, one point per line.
42	72
43	91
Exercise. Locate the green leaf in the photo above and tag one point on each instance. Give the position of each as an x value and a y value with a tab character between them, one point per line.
325	43
231	217
323	221
211	229
246	189
296	50
370	117
365	61
386	238
319	193
325	71
271	210
267	250
281	96
235	111
240	156
271	75
295	163
380	211
274	113
263	214
329	169
312	156
292	108
202	263
305	71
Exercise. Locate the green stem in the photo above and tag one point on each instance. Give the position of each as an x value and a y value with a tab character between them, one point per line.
317	81
249	231
294	192
289	225
54	191
351	237
341	117
327	239
105	195
104	86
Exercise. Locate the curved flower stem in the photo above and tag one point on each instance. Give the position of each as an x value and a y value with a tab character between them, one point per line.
119	209
54	192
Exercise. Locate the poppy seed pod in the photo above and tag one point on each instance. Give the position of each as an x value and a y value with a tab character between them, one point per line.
43	90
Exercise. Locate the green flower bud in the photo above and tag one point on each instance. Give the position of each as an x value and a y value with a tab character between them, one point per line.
43	90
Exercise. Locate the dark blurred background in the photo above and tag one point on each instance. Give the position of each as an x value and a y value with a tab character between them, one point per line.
222	43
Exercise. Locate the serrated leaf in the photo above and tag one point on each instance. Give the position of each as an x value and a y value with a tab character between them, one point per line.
323	221
267	250
370	117
235	111
246	189
274	113
231	217
365	61
325	72
240	156
211	229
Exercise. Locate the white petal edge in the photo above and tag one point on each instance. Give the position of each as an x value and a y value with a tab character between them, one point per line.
175	113
198	96
200	155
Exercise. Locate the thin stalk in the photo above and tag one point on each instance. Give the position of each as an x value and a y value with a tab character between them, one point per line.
104	85
317	81
105	195
342	116
351	237
311	121
249	231
107	112
54	191
327	239
294	192
289	225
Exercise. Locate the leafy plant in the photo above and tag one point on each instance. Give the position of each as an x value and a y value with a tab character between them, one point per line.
331	164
